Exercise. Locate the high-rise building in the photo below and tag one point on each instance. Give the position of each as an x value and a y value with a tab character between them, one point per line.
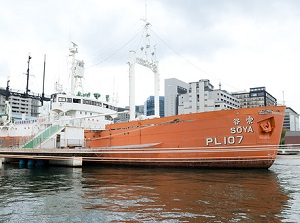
173	89
20	103
203	97
257	97
149	106
291	120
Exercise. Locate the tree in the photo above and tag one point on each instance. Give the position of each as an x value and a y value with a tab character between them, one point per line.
97	95
283	132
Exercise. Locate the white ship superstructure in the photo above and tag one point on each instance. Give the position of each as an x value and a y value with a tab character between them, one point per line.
70	114
77	108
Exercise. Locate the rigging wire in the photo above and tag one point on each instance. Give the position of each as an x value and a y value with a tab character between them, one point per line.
142	30
117	50
185	59
124	55
116	41
139	44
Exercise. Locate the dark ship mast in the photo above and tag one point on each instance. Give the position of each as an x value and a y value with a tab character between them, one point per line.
27	90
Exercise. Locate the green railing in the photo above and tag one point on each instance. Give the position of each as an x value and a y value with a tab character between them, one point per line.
39	139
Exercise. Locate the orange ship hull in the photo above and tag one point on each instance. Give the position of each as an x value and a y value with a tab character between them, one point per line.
240	138
9	141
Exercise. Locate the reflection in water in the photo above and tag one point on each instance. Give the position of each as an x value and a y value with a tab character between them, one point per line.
112	194
183	195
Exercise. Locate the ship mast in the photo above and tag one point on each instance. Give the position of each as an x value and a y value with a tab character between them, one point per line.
73	50
27	90
144	61
7	89
77	71
43	93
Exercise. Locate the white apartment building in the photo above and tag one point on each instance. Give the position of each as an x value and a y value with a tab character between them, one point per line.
291	120
202	97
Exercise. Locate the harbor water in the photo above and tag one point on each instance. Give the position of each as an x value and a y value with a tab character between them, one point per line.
122	194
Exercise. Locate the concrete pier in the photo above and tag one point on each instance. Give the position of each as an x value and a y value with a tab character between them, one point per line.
59	157
8	160
71	161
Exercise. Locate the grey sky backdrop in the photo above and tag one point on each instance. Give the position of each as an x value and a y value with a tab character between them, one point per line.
240	44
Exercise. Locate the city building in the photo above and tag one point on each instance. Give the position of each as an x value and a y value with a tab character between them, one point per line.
173	89
203	97
149	106
124	115
257	97
291	120
20	103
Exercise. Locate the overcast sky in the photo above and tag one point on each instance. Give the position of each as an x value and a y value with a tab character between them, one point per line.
240	44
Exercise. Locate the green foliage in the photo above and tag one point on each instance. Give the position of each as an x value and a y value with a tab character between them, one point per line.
97	95
88	94
283	132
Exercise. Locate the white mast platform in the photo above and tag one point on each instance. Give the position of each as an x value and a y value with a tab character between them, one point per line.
153	65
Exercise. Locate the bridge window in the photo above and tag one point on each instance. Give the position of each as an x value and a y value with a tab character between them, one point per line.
88	102
76	100
61	99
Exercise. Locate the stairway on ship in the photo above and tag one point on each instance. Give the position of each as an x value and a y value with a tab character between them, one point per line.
43	137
